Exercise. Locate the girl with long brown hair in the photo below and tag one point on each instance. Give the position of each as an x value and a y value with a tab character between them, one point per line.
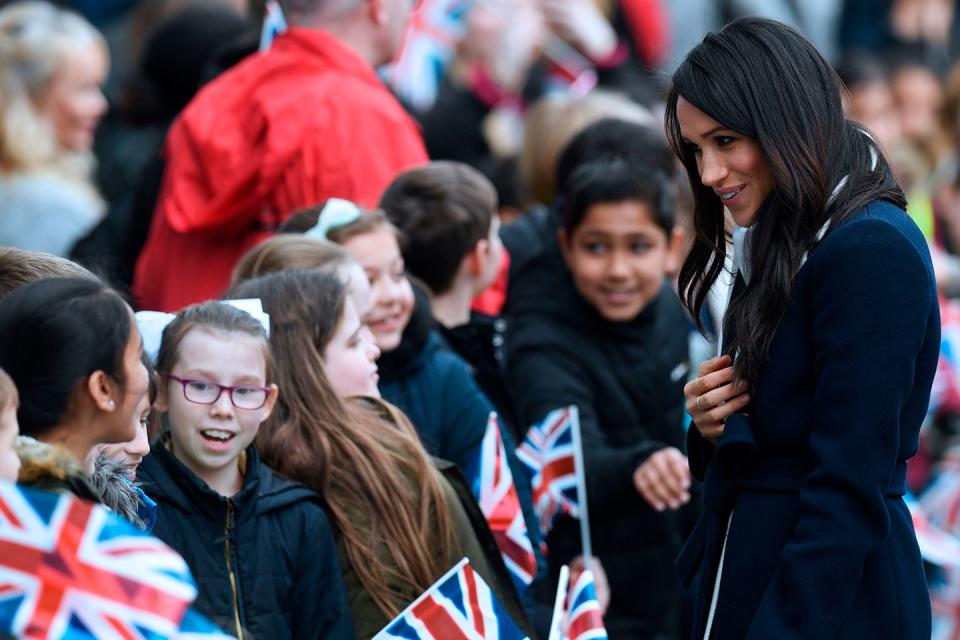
401	523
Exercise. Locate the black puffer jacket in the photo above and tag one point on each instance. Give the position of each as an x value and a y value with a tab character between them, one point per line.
627	381
271	540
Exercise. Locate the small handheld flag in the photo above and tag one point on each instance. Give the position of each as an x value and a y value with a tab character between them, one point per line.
273	25
584	618
496	493
548	453
458	606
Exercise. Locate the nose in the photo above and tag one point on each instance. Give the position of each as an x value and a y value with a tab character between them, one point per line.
618	265
223	406
370	343
140	445
713	170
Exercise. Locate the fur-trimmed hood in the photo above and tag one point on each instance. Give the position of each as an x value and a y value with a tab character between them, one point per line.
49	466
117	493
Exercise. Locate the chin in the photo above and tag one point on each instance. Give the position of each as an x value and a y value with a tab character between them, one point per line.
388	342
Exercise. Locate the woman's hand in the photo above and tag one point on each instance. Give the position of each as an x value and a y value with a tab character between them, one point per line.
714	395
664	479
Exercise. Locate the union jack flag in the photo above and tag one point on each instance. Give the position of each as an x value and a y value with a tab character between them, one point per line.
584	619
495	491
548	454
430	42
69	569
459	606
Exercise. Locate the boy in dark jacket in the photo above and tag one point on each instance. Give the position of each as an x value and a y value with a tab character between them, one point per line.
597	324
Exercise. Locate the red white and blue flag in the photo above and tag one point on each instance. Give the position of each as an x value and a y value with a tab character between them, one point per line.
496	493
459	606
584	618
69	569
548	453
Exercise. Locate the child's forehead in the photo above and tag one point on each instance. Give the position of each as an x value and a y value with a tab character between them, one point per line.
212	347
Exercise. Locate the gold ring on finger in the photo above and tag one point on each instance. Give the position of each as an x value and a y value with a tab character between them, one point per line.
699	407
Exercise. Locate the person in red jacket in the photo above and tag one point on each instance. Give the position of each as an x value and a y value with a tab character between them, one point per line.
305	121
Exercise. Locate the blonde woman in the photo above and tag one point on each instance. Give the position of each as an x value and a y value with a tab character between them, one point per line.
52	64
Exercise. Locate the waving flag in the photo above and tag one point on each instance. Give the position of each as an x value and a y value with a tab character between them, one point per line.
70	569
273	25
548	453
495	491
459	606
584	619
429	44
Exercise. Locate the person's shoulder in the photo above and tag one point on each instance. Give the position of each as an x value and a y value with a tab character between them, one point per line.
45	188
880	226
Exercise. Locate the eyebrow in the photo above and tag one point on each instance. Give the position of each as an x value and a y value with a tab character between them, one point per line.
709	133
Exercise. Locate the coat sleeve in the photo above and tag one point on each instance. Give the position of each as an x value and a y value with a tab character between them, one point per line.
545	378
871	301
320	608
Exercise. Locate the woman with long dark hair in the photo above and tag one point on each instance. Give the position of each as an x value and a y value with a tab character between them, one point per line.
803	424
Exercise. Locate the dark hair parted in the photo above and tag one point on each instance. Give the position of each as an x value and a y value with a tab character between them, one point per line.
765	81
214	316
616	179
364	457
443	209
54	334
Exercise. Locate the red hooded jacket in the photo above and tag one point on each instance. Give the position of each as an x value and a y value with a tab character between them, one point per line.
306	121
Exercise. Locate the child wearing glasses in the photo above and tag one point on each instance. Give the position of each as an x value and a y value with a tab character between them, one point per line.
260	547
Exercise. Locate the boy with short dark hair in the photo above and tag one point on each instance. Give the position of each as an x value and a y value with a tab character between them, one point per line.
447	213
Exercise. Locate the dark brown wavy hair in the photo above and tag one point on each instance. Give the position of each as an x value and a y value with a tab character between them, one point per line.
763	80
363	455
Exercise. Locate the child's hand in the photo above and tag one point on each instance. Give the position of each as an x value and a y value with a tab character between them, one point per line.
600	583
664	479
714	395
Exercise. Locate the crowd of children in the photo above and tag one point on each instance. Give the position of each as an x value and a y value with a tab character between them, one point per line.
308	465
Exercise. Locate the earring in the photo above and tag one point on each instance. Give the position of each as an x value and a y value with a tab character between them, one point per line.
111	404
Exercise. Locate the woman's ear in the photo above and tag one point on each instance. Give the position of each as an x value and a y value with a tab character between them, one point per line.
101	388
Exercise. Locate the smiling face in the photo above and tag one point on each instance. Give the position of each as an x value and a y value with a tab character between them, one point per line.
731	164
208	439
391	298
119	425
350	358
74	103
618	257
132	452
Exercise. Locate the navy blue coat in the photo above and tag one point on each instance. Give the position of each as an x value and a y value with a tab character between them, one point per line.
821	544
276	538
